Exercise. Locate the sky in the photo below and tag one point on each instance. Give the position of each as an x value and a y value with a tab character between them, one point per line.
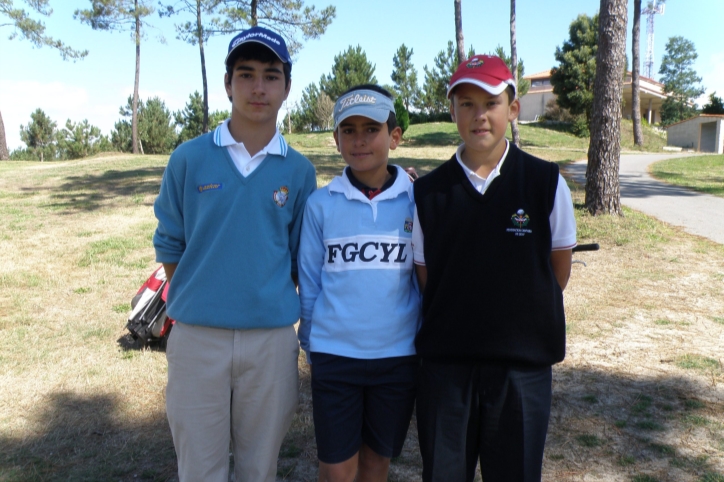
96	87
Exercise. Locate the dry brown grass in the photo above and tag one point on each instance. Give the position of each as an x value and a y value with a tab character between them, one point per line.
640	393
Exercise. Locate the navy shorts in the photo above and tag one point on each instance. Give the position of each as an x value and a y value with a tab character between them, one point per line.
356	401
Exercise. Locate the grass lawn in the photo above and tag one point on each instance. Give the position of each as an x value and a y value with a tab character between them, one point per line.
699	173
640	395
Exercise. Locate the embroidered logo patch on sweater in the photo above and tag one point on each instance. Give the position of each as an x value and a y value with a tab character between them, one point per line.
210	187
520	221
281	196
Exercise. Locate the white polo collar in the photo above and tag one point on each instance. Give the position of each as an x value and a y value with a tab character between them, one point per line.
277	145
470	173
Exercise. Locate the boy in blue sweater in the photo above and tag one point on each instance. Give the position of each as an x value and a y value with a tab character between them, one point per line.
229	217
360	305
493	234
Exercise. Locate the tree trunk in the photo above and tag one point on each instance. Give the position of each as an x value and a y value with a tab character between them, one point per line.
459	31
514	66
134	107
635	63
4	156
200	33
253	8
602	184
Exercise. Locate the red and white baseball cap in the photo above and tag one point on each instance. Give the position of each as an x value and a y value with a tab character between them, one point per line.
486	71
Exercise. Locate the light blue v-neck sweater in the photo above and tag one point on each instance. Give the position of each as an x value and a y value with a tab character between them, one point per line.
235	238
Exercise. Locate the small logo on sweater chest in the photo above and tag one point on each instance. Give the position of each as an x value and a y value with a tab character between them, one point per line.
520	220
210	186
281	196
408	225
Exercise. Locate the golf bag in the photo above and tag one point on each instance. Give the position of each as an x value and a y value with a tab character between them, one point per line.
148	321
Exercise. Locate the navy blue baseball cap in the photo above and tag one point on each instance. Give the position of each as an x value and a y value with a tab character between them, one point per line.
272	40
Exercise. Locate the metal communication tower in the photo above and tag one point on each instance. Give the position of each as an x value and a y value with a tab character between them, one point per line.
651	10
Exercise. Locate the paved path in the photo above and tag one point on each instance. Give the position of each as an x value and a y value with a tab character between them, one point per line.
697	213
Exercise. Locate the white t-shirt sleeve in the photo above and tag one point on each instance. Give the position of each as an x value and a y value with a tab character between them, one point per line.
563	222
418	241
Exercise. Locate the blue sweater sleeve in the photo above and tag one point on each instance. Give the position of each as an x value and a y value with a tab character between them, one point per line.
169	239
310	185
311	261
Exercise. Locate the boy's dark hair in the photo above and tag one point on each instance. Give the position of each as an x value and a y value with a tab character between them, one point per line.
391	119
256	51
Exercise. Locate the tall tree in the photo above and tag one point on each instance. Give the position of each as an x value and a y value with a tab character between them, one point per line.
156	128
350	68
191	118
28	28
638	132
523	84
514	69
575	74
680	80
121	15
40	134
714	106
288	17
433	95
196	33
459	40
404	76
79	140
602	184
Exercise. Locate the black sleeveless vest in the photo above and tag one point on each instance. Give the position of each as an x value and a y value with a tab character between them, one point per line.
491	293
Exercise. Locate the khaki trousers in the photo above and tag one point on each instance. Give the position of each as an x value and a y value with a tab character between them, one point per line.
230	385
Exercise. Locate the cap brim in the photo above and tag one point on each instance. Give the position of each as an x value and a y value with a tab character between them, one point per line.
226	60
377	114
490	88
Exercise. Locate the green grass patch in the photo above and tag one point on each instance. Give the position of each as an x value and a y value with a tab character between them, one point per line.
642	404
589	440
699	173
590	399
697	362
663	449
649	425
712	477
693	404
662	322
718	319
114	251
122	308
626	460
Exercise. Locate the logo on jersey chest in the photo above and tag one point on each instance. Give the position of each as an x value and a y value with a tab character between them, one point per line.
281	196
520	220
367	252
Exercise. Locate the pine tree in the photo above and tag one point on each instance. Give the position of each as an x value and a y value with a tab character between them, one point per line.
602	184
404	76
121	15
715	105
350	68
288	17
40	135
575	74
79	140
433	96
680	80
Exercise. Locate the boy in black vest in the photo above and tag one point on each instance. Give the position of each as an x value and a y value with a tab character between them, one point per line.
492	239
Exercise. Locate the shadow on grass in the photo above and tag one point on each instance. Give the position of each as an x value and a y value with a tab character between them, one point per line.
83	438
434	139
607	423
90	192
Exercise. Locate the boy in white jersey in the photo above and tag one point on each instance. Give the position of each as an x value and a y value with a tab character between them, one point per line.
360	305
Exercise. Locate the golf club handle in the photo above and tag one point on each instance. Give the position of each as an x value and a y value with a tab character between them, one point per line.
586	247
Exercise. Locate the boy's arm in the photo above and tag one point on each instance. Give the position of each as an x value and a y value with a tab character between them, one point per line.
421	271
169	239
310	185
561	261
169	269
310	264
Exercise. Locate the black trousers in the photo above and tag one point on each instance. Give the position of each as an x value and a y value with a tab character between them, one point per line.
491	412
